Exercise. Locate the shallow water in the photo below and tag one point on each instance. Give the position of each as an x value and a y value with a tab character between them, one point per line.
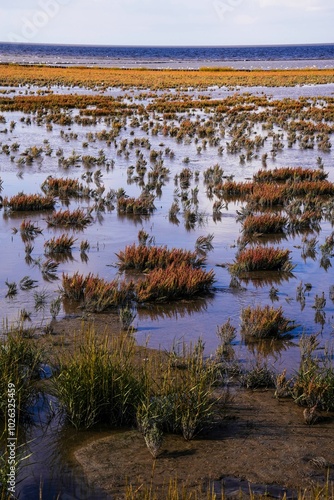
159	326
156	325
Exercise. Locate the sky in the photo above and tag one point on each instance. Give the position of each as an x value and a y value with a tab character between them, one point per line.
167	22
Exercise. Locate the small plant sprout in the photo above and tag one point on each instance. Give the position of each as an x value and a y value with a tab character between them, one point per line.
84	246
12	289
319	302
27	283
40	300
126	317
153	437
204	243
55	307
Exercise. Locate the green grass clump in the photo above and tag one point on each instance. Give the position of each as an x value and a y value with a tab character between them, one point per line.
264	323
100	383
313	384
20	359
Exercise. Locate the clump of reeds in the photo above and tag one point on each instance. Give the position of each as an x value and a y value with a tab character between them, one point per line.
264	323
174	282
144	205
258	376
60	244
29	229
262	259
95	293
290	173
29	202
144	258
19	360
63	187
76	218
99	382
264	224
313	384
204	243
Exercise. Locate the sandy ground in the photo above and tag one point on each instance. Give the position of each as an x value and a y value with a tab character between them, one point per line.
260	440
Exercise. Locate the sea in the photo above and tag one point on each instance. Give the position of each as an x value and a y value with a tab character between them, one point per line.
239	57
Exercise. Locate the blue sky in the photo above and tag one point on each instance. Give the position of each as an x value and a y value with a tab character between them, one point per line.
167	22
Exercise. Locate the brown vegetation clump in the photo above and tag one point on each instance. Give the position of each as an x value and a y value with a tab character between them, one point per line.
144	258
29	202
262	259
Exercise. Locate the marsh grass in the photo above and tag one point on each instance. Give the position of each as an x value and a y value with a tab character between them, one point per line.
262	259
20	359
143	205
59	245
64	187
65	218
313	384
29	202
95	293
264	323
145	258
264	224
99	382
173	283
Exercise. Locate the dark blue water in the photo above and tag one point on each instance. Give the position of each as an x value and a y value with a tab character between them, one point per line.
290	55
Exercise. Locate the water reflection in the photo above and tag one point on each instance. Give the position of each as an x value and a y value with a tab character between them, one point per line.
175	310
265	278
271	347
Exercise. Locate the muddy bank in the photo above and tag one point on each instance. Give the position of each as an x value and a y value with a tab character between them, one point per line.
261	441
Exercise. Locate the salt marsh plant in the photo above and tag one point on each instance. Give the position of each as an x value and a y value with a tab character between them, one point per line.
77	218
95	293
61	244
26	283
64	187
313	384
174	282
264	224
143	205
20	359
284	174
29	229
258	376
100	383
262	259
264	323
204	243
145	258
28	202
11	289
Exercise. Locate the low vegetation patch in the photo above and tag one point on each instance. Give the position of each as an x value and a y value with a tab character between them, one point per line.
144	258
66	218
264	323
29	202
174	282
264	224
262	259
